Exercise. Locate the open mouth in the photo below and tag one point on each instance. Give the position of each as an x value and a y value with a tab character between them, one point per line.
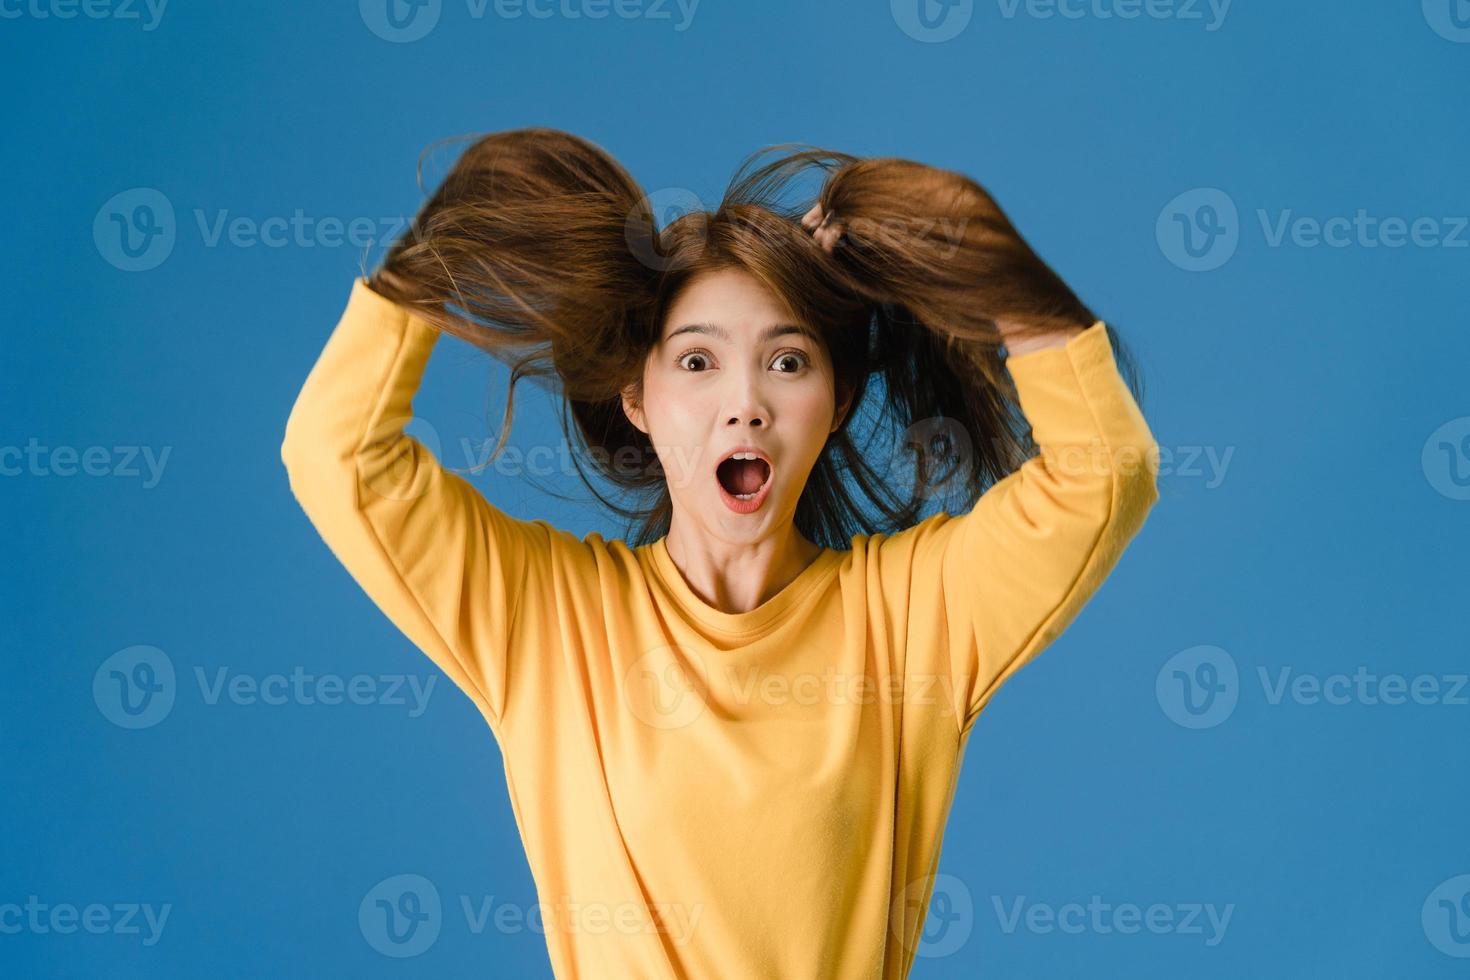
745	478
743	474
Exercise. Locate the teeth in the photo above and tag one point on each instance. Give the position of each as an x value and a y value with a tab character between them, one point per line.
746	496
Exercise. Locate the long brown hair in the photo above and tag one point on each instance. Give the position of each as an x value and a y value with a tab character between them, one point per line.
540	249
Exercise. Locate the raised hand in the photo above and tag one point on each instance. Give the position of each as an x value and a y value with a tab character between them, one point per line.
826	231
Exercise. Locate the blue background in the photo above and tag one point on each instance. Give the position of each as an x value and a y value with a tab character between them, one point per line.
1333	539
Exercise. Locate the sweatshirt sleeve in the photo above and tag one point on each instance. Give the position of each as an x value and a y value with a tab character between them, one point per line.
440	561
1014	571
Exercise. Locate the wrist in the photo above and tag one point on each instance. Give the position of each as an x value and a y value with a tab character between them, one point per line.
1018	345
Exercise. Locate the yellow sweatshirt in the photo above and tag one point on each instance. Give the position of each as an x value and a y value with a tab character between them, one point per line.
702	794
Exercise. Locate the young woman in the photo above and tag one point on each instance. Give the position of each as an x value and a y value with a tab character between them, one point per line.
731	745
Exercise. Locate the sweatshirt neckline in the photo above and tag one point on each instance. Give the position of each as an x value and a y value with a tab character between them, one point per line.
766	614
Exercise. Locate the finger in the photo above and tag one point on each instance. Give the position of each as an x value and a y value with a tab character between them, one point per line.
813	217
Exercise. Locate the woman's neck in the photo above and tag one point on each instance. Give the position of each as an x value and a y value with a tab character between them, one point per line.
739	577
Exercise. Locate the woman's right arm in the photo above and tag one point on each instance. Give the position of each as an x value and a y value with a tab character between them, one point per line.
439	560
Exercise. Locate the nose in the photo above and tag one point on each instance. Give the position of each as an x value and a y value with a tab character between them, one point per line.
747	405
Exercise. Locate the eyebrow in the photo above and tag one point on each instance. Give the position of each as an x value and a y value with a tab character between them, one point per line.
715	330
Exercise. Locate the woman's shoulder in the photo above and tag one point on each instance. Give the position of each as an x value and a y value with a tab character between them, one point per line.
593	554
892	544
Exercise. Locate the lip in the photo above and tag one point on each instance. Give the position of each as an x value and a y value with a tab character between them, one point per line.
754	503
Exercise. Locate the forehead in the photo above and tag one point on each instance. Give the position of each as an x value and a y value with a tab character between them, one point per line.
728	305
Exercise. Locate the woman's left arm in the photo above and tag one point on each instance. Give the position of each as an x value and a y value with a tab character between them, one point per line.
1016	569
987	591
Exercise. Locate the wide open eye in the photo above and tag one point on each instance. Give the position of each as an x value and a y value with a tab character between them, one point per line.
799	357
693	354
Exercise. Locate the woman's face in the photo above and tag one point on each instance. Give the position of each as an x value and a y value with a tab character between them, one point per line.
732	369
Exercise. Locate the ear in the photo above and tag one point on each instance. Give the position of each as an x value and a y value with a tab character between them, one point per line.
634	410
844	401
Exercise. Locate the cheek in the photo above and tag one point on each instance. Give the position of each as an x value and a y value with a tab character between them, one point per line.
816	409
677	424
